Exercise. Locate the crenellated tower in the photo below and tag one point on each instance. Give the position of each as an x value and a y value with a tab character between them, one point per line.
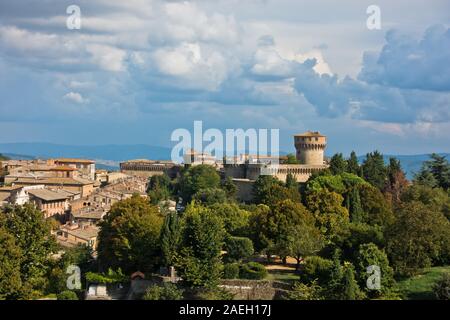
310	147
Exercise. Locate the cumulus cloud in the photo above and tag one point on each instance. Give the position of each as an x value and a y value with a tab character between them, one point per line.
409	63
142	56
392	88
75	97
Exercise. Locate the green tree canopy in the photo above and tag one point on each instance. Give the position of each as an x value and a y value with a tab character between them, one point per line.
10	260
331	217
159	188
198	178
419	236
129	236
269	190
33	243
353	164
374	170
210	196
338	164
370	255
170	238
199	261
235	219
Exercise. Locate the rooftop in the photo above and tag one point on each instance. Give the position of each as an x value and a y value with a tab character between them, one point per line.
74	160
84	233
47	195
309	134
53	181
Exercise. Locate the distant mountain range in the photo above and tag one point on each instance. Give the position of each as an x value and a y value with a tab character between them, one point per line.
109	156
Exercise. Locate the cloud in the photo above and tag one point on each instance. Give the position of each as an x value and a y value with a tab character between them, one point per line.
391	89
408	63
75	97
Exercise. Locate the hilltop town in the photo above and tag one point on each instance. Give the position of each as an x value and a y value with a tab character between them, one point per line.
300	226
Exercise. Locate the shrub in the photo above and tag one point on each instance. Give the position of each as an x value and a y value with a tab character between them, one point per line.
301	291
238	248
442	287
253	271
67	295
231	271
110	277
316	267
168	291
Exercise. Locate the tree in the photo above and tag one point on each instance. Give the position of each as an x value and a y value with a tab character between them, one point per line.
358	235
197	178
305	240
353	164
375	206
235	219
210	196
159	188
338	164
170	238
370	255
291	183
350	289
31	232
342	284
129	236
262	186
81	256
440	169
168	291
238	248
10	259
229	187
199	262
374	170
272	227
301	291
291	159
316	268
331	217
425	178
441	288
434	198
396	182
269	190
418	236
354	206
67	295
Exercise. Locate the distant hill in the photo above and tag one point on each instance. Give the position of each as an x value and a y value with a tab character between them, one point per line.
107	155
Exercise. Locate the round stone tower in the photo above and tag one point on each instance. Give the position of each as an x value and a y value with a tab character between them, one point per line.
310	147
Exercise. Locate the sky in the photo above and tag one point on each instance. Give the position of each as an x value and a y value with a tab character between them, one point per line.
137	70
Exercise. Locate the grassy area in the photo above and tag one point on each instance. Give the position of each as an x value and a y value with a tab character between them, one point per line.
420	287
282	275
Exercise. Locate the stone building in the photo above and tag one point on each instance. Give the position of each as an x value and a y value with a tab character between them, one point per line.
310	147
148	168
85	167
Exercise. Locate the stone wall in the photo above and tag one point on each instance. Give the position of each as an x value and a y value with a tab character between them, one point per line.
255	289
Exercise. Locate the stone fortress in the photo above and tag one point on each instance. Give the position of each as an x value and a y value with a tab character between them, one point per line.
246	168
309	147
